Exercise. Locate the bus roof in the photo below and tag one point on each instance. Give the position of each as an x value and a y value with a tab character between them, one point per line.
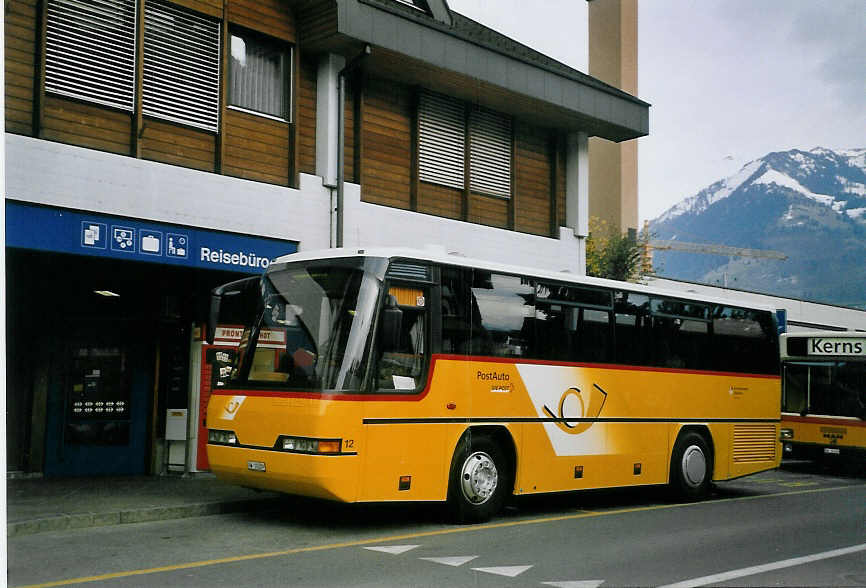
825	334
441	256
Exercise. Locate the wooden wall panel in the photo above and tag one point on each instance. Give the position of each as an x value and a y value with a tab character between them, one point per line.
306	115
77	123
271	17
440	200
20	47
316	21
560	182
186	147
209	7
349	136
488	210
386	137
256	148
533	190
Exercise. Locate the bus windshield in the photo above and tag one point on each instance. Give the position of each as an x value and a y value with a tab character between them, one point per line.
312	328
835	388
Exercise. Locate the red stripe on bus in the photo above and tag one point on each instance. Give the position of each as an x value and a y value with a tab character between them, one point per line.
824	421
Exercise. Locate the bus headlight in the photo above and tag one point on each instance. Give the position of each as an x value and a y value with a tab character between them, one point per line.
221	437
786	434
307	445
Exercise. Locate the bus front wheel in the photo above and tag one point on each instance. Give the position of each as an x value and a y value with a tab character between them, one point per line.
691	467
478	480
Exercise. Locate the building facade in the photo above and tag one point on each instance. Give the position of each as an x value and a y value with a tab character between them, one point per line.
158	148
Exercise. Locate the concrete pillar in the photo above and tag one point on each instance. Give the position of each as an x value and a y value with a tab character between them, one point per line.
327	117
577	197
577	184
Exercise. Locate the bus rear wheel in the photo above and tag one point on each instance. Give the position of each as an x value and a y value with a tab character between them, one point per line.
691	467
478	481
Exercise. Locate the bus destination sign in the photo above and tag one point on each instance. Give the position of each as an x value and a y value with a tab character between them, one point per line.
836	346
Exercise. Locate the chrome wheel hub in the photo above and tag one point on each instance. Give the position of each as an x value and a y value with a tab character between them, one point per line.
478	478
694	466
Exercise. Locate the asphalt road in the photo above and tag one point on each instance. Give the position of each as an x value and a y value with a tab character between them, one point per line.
792	527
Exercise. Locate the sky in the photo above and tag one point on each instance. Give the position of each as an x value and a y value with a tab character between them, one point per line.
728	80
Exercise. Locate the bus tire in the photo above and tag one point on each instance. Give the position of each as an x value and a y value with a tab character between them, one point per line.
691	467
479	480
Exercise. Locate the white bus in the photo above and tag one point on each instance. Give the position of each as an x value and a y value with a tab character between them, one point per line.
824	394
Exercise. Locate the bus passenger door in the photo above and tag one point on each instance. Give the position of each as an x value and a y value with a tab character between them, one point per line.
400	455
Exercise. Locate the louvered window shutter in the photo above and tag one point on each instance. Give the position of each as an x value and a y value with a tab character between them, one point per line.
181	66
90	51
441	140
490	153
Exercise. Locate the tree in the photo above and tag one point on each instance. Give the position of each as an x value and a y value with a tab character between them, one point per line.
617	256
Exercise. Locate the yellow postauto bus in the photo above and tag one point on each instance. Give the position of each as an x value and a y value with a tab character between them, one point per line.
824	395
398	375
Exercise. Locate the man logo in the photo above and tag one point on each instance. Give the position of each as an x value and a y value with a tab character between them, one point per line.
577	409
232	406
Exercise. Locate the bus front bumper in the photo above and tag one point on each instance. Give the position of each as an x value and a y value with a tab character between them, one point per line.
332	477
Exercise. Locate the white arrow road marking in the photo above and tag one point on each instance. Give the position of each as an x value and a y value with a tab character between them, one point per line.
510	571
575	584
457	560
393	549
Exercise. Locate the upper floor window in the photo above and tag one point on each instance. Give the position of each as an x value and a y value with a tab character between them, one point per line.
91	55
259	76
441	139
181	66
489	153
90	51
445	132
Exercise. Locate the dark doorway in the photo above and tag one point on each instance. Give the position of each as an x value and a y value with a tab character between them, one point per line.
85	335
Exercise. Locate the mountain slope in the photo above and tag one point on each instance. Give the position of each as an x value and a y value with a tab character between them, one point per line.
809	204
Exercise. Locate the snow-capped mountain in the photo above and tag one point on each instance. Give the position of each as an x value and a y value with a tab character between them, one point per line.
809	204
838	177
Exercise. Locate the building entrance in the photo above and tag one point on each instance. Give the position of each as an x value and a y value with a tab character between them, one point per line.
98	351
98	405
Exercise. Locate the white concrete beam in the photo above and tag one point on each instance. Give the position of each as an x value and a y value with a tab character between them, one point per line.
327	117
577	184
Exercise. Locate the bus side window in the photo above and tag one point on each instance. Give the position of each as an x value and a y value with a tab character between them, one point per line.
594	336
632	323
402	367
796	383
455	311
744	341
555	329
572	323
506	315
680	334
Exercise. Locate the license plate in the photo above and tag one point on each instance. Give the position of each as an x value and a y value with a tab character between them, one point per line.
831	451
256	466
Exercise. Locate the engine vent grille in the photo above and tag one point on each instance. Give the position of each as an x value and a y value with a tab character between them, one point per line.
754	443
409	271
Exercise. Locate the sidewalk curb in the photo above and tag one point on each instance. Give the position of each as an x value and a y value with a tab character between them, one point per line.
138	515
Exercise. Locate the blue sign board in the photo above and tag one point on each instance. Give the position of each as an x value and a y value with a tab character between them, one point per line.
782	320
84	233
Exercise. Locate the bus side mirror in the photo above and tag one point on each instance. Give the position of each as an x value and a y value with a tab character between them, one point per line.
391	325
214	315
216	299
